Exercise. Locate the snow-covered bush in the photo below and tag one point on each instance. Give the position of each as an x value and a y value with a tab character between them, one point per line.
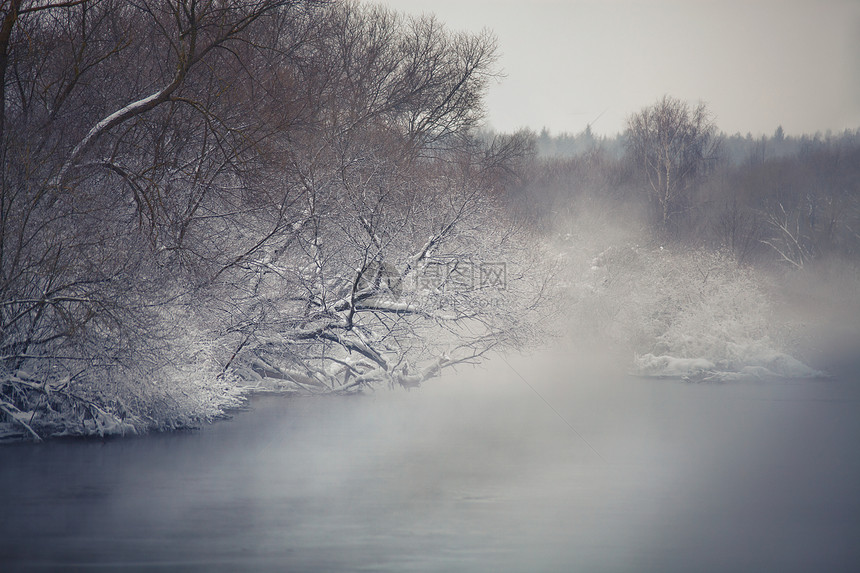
683	312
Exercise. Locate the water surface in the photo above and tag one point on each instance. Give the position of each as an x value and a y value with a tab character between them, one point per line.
474	472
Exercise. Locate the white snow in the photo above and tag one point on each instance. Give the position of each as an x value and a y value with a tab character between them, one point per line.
761	355
754	362
650	365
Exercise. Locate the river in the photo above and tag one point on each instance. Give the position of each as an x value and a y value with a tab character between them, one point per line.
570	467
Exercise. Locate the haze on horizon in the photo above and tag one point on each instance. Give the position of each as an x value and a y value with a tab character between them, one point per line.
758	64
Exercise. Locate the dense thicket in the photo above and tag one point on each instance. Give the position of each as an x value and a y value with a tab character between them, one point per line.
202	195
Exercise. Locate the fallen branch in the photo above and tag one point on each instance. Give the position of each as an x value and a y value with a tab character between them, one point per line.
18	416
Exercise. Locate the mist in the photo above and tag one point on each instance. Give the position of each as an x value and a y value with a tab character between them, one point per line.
561	458
274	297
574	466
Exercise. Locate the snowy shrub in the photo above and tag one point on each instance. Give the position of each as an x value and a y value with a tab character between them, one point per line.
681	312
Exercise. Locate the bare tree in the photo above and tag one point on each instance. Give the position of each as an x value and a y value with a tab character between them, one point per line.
198	194
394	204
672	143
390	285
126	170
787	237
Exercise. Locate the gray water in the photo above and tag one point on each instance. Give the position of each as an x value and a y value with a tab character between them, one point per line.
575	468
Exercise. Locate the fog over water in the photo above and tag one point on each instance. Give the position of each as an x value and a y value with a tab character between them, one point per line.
365	215
557	460
576	466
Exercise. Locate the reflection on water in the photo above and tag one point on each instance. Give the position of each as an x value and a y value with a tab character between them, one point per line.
471	473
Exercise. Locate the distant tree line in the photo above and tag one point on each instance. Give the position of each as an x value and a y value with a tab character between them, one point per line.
772	199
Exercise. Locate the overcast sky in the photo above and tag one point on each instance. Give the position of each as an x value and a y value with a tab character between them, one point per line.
757	64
